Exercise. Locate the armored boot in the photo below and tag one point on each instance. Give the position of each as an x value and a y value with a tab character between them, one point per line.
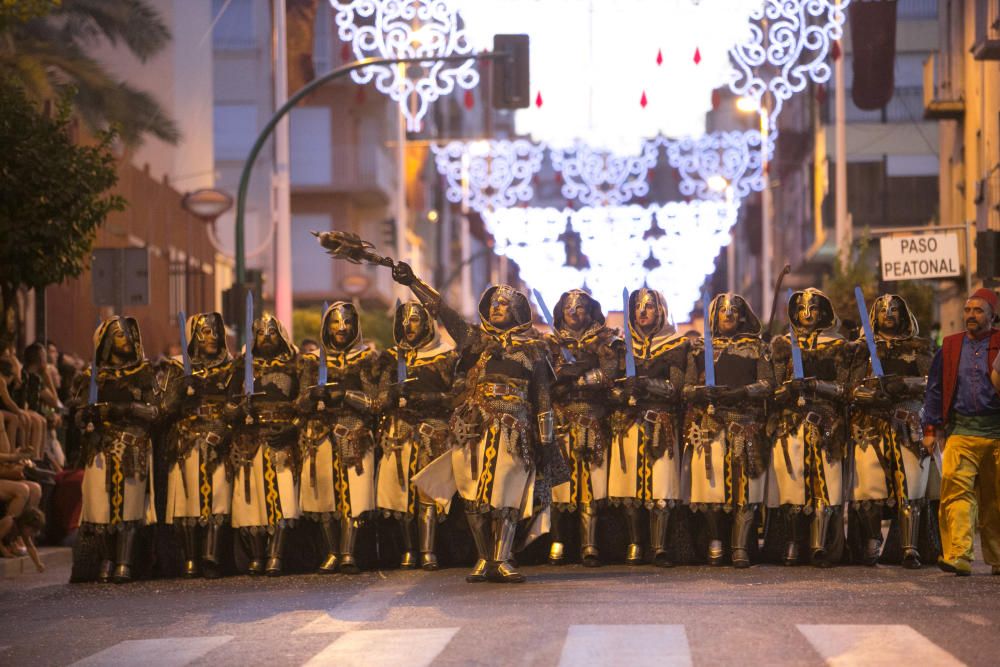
791	556
329	530
126	551
742	531
210	551
426	528
712	518
479	526
659	520
502	569
189	539
254	541
818	529
409	559
588	537
871	528
557	552
348	538
275	549
634	554
909	530
106	545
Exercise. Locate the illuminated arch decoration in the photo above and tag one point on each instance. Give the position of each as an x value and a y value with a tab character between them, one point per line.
407	29
493	174
734	157
600	178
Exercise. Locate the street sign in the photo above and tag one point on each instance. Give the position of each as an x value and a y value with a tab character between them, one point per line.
120	277
920	256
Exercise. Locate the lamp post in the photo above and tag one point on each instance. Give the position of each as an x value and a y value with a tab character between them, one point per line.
758	106
206	204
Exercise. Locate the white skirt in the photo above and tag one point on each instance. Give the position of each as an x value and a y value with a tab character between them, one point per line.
131	501
190	500
788	487
273	494
339	489
643	478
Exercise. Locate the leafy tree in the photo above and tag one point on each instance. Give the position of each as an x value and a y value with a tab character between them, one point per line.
53	196
48	54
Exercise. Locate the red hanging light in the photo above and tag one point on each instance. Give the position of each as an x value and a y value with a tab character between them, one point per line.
643	101
538	99
659	56
470	100
697	56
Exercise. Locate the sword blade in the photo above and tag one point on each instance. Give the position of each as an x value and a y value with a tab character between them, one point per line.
182	325
323	377
709	348
547	315
92	390
798	372
866	324
248	354
629	343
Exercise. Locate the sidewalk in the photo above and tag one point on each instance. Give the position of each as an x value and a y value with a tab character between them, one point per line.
52	558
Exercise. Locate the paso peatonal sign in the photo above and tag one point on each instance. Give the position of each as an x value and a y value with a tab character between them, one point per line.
922	256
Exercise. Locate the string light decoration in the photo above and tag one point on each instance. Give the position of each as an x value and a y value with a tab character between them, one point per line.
407	29
600	178
619	249
496	173
785	46
734	157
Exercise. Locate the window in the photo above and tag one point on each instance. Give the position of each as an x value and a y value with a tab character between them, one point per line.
312	272
235	128
234	29
309	146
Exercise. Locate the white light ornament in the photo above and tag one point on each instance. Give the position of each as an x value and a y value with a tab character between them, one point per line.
731	157
786	46
491	174
600	178
407	29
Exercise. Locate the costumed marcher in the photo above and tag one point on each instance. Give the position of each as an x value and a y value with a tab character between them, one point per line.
807	425
117	480
585	359
644	457
335	444
336	448
416	376
890	465
497	450
199	485
263	452
726	427
962	416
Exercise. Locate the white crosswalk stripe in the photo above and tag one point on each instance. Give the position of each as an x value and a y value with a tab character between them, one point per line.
165	652
371	604
632	645
375	648
875	646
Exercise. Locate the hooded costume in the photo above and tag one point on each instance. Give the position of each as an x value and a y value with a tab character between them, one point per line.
890	464
807	424
415	395
725	426
199	485
264	453
335	443
580	399
117	479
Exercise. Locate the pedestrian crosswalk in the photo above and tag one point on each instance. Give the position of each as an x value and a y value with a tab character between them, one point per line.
636	645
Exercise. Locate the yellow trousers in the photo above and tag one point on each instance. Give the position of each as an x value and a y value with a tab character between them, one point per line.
969	486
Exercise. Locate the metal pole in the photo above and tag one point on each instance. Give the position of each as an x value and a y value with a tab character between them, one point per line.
842	225
283	205
767	251
969	225
401	213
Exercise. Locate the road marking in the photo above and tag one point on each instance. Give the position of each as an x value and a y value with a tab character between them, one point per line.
375	648
632	645
875	646
370	604
165	652
976	619
939	601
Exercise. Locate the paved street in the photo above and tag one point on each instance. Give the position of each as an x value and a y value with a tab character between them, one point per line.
565	616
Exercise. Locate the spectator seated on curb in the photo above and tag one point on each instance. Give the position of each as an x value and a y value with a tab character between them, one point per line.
20	533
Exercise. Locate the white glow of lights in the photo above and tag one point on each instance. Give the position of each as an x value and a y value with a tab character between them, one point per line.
733	156
600	178
612	239
407	29
493	174
784	47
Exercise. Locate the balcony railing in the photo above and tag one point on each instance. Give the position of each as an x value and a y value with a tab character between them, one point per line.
942	88
987	44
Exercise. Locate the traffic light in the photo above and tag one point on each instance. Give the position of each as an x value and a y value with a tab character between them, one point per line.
988	254
511	75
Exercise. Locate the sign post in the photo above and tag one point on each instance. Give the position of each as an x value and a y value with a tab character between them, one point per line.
932	255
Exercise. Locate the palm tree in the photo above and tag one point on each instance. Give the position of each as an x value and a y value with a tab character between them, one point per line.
48	54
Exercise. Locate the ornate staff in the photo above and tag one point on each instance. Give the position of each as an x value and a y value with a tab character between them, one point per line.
352	248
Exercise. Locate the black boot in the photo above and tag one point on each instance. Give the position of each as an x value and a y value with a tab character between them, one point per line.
348	538
106	546
479	526
791	556
909	531
254	540
712	520
588	536
210	551
818	529
870	519
659	520
557	552
188	534
409	559
502	569
742	531
126	551
275	549
633	556
329	532
426	528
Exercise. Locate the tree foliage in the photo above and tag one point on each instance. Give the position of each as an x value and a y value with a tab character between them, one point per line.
53	195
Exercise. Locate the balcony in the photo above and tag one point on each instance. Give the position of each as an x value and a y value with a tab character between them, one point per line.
987	41
942	88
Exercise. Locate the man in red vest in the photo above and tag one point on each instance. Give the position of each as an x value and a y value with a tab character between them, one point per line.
962	413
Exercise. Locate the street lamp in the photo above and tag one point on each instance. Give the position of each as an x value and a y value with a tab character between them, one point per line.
206	204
